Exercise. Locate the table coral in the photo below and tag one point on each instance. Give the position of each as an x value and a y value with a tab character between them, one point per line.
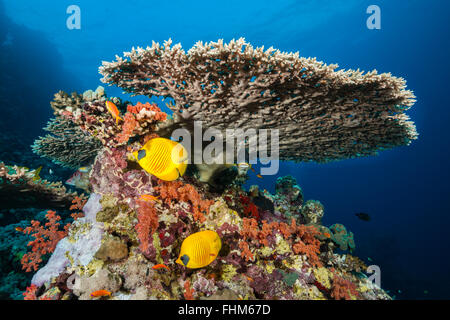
333	114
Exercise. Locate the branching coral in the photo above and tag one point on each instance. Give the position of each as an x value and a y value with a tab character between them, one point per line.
21	187
271	244
67	145
46	239
332	114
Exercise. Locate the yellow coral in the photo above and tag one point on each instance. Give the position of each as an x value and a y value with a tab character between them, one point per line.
228	272
270	267
323	276
282	246
265	251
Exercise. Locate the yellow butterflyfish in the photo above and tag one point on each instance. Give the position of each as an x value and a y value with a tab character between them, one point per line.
199	249
163	158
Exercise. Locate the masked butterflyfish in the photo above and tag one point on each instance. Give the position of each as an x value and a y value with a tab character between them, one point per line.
163	158
199	249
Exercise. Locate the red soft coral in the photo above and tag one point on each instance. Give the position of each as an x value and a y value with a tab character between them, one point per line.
46	239
188	291
147	223
250	209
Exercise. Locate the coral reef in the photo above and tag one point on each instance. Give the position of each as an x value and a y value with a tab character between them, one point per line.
21	187
333	114
274	246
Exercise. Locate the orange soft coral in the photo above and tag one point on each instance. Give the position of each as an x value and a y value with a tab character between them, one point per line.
147	223
250	228
46	239
177	190
306	242
303	238
285	230
343	289
245	251
199	206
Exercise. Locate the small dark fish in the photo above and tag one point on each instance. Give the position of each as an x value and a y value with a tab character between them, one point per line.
363	216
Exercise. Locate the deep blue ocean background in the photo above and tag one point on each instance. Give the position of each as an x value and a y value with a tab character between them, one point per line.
405	190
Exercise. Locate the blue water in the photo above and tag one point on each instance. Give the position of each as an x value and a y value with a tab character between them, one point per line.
405	190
